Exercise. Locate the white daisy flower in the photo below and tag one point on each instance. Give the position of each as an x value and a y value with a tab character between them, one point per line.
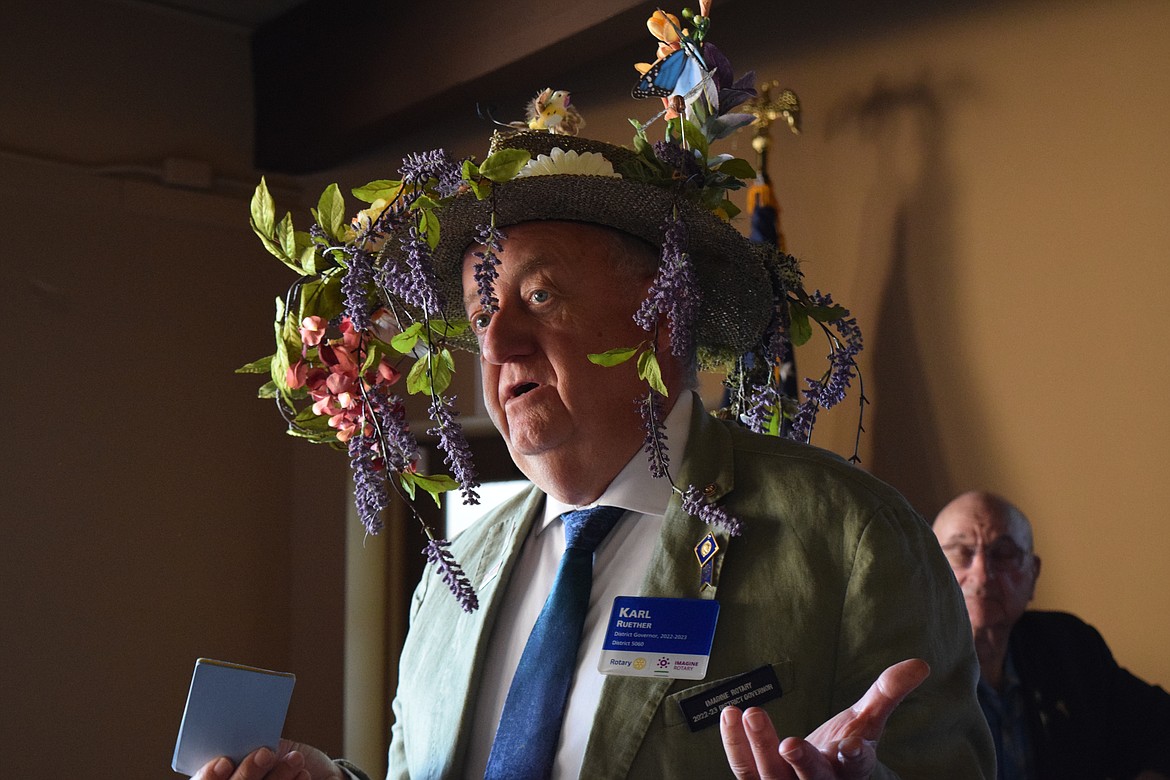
562	162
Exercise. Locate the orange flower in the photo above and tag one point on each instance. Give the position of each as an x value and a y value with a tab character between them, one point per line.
664	27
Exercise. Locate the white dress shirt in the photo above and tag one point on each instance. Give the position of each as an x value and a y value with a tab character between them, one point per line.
619	564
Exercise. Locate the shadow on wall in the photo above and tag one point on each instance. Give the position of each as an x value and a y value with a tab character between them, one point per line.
917	370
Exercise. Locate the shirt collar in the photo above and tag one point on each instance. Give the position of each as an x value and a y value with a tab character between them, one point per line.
634	488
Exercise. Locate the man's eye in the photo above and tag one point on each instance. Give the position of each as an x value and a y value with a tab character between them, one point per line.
538	296
481	321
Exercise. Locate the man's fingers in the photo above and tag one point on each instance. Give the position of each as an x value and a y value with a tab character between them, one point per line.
216	769
736	745
883	697
261	764
751	745
856	757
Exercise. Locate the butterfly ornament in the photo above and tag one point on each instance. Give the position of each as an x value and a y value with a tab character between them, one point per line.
680	74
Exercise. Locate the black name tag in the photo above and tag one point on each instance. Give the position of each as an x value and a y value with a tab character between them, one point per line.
747	690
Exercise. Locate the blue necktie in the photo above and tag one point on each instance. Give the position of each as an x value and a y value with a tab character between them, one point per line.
530	725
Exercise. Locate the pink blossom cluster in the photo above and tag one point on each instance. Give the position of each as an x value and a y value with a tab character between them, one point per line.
333	380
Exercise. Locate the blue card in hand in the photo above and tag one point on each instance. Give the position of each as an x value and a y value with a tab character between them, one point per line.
231	711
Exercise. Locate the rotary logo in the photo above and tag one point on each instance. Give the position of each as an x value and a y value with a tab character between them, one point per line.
663	663
639	664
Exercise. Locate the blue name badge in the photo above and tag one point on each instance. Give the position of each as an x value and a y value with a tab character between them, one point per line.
657	637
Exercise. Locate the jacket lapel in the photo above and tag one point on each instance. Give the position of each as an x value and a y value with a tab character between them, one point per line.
490	561
629	704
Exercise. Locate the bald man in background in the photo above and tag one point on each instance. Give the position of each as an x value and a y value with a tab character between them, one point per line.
1057	703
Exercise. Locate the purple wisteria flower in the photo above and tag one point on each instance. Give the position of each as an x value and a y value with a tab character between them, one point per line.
486	274
844	355
763	403
452	573
355	286
684	162
397	445
457	453
654	423
370	491
415	284
695	504
806	414
674	291
844	345
417	169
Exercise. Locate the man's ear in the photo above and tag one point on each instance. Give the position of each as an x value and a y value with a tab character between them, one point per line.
1035	574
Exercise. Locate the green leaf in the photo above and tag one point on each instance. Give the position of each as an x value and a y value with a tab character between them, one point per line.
442	370
307	418
321	296
404	342
269	244
650	371
739	168
613	357
263	209
417	380
774	421
288	350
695	138
470	171
482	188
424	203
446	329
331	210
386	189
406	479
729	208
433	484
261	366
268	390
314	427
504	164
799	328
431	374
375	351
286	235
429	226
827	313
308	259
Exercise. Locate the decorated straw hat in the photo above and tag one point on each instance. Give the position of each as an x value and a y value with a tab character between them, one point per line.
378	303
578	179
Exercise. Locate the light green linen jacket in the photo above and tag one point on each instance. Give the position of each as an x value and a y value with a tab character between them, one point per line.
834	578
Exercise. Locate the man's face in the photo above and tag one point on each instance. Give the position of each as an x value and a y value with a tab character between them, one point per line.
569	424
989	550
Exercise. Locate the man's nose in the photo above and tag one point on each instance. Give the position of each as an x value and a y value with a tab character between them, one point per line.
981	567
507	336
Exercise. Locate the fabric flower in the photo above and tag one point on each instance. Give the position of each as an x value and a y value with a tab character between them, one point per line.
312	330
694	503
452	573
560	162
457	453
664	26
654	424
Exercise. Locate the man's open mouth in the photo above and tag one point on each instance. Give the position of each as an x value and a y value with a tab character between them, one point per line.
520	390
